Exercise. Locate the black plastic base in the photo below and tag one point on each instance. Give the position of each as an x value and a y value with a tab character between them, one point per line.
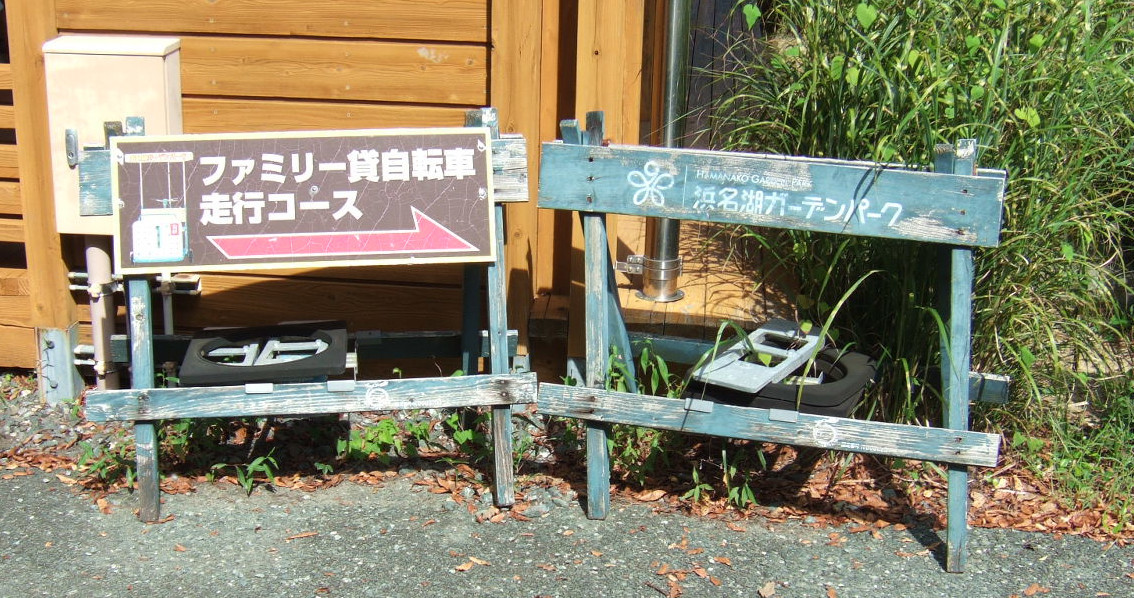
845	376
198	370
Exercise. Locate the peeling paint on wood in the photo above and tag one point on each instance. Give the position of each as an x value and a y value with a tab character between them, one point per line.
835	196
879	438
310	398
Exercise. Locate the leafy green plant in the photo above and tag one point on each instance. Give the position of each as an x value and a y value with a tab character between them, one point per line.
740	493
471	437
372	442
1046	89
246	475
700	490
109	460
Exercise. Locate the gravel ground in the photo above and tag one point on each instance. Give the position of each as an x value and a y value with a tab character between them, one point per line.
399	539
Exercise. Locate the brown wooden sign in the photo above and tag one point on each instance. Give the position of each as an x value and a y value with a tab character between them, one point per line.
191	203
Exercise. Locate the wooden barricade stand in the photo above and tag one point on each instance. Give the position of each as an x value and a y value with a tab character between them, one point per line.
471	168
957	207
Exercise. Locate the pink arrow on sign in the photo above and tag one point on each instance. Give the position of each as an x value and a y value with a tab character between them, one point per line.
427	236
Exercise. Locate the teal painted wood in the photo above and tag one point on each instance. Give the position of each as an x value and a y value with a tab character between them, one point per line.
470	318
597	325
94	183
310	398
142	376
504	480
955	359
879	438
835	196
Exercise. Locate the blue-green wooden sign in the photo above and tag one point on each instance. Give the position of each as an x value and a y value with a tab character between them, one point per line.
834	196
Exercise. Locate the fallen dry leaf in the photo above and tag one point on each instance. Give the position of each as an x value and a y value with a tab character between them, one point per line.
767	590
650	495
302	535
480	562
465	566
179	548
831	593
736	528
724	560
1035	588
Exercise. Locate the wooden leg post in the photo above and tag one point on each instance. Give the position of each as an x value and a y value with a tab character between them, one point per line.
498	348
956	353
142	376
955	358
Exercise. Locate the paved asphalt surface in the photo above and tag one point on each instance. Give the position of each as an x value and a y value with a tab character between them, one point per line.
398	539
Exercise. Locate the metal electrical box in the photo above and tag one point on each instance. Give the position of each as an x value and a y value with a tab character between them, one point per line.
97	79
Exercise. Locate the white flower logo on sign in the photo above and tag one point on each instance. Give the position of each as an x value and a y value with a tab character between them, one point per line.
376	394
650	183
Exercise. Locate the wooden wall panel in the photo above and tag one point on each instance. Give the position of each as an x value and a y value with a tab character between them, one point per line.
30	24
518	37
7	117
336	70
12	230
441	20
223	115
608	78
9	162
10	201
253	300
15	310
13	282
19	347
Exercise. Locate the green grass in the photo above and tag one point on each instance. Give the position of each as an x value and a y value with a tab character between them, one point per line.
1046	87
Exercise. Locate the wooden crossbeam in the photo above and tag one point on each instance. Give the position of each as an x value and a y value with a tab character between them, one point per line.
309	398
879	438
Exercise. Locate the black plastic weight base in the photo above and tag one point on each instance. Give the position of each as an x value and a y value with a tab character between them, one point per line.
845	376
202	366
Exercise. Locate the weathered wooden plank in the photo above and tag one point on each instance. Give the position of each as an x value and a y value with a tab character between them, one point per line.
857	198
504	480
225	115
11	230
142	372
453	20
956	353
20	350
597	333
911	442
310	398
338	70
9	162
10	200
5	75
510	169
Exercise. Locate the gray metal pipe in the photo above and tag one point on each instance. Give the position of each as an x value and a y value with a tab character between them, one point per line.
100	283
663	267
